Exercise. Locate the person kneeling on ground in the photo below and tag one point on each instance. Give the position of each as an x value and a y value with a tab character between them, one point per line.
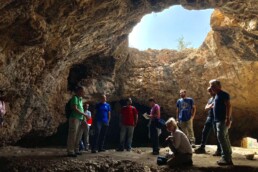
179	145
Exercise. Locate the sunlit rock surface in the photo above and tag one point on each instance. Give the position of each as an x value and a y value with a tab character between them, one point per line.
42	41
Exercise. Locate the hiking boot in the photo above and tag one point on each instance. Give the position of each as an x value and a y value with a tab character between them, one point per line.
128	149
224	162
217	153
200	150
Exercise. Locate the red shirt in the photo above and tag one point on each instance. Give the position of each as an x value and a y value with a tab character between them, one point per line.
128	114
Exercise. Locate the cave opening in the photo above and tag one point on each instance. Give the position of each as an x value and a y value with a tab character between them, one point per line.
173	28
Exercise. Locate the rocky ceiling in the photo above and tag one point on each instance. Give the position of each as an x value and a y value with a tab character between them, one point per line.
40	41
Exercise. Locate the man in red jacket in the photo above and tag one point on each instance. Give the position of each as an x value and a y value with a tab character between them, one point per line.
128	120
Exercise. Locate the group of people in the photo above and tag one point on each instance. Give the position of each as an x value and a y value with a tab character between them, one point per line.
181	141
219	118
80	121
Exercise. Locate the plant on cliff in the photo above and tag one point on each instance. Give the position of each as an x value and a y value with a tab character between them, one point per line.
182	45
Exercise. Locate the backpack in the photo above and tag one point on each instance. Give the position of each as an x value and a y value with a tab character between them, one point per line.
68	109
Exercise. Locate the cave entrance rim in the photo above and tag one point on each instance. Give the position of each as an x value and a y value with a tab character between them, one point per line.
173	28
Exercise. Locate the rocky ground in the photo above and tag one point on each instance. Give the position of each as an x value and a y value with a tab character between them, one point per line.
140	159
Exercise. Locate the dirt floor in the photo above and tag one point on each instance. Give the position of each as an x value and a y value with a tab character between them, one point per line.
140	159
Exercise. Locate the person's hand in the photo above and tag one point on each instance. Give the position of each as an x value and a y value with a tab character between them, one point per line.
210	106
87	117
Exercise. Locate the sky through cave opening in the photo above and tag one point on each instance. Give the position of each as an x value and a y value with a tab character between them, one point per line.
163	30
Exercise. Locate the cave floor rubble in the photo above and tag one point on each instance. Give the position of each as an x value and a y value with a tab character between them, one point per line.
139	159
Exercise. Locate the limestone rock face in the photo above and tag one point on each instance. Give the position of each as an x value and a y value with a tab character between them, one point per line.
42	43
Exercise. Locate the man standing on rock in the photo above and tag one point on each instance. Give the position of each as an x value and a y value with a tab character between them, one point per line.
185	114
154	130
209	124
222	117
128	120
75	123
101	123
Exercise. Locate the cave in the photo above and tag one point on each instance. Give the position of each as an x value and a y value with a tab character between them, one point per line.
43	43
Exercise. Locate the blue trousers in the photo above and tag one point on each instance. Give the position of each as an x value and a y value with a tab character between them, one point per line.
208	126
223	138
100	130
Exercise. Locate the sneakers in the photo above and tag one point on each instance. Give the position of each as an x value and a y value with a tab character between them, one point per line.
217	153
200	150
224	162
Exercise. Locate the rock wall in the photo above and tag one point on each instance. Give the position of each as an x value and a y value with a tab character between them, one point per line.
42	40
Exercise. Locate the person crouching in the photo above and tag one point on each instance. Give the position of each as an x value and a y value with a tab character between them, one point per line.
179	145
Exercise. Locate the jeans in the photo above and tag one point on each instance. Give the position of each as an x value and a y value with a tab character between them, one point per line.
187	128
129	130
223	138
209	124
100	130
154	135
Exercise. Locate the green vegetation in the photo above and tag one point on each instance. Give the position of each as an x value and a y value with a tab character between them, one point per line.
182	45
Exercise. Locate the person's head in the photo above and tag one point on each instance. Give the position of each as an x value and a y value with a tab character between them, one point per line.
79	90
103	98
215	85
211	92
171	124
152	102
129	101
86	106
182	93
